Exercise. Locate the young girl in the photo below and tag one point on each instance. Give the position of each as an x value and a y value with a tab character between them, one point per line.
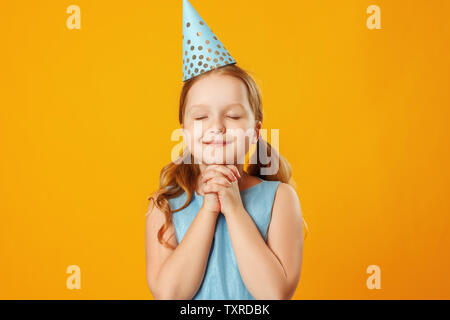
215	230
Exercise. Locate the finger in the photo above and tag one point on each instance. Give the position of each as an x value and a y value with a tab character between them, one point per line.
216	186
211	188
223	170
222	173
211	167
221	180
234	169
230	169
209	175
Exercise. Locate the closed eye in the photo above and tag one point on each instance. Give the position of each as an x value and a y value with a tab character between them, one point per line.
234	118
200	118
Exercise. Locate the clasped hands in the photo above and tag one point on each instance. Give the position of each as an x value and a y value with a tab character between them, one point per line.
219	184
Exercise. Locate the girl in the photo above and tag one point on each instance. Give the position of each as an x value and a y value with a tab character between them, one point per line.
213	229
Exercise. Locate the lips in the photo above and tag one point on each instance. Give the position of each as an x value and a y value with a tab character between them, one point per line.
217	143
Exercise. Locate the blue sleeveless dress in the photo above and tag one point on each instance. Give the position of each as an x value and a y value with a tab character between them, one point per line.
222	280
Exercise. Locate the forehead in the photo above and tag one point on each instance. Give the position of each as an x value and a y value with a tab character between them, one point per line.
217	91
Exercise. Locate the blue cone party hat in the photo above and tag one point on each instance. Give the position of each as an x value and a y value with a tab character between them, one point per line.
202	50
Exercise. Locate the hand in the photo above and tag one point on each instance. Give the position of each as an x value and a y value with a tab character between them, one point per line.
211	199
220	184
211	203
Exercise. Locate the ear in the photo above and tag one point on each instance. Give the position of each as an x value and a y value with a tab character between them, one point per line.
257	131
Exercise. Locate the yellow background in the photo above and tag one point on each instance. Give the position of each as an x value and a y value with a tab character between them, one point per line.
86	117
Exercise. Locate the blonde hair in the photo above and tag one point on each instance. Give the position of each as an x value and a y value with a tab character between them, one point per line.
181	176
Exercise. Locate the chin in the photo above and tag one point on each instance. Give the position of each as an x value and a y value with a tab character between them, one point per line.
214	161
210	161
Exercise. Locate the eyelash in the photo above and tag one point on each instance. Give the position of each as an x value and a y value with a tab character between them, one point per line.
234	118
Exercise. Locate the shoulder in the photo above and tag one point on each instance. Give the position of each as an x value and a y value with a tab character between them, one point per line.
286	200
155	216
285	189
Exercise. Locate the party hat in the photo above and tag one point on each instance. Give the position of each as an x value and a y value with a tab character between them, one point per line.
202	50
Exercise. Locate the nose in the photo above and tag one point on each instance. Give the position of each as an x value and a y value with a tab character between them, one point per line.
216	130
217	127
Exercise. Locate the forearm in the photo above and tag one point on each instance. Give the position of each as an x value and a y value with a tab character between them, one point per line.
182	273
260	269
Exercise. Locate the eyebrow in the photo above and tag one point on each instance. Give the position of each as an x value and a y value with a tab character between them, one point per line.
205	105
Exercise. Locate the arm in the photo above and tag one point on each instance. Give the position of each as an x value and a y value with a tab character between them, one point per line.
270	271
177	274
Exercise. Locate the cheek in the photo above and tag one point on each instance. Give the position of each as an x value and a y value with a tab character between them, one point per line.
241	142
241	124
192	139
242	135
187	136
194	131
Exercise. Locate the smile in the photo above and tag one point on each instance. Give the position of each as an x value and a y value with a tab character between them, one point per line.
217	143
